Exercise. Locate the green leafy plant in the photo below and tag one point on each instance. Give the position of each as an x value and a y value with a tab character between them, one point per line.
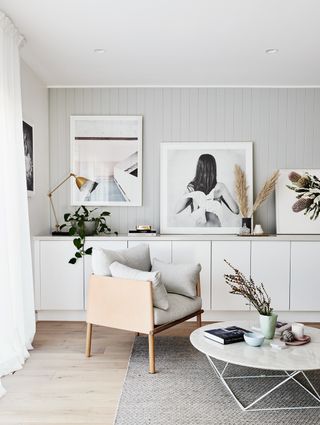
81	224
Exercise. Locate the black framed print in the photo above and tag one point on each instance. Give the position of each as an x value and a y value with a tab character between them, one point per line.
29	156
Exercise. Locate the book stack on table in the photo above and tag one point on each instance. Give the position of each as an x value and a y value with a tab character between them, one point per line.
227	335
143	230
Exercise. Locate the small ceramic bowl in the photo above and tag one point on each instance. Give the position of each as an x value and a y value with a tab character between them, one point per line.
254	339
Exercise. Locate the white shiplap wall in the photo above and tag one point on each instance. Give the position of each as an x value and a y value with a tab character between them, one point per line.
284	125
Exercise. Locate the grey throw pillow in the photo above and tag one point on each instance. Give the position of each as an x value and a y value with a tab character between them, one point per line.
137	257
159	293
179	279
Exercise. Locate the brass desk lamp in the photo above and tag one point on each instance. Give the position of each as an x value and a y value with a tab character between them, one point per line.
82	183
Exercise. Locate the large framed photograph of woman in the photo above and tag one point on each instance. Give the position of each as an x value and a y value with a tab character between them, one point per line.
197	193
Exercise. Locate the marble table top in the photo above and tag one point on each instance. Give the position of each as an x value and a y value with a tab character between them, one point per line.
304	357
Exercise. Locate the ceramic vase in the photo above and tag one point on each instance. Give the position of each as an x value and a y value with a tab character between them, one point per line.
268	325
247	221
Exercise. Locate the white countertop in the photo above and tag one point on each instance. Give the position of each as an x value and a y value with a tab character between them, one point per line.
188	238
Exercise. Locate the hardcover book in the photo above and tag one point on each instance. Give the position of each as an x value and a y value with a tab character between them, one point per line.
227	335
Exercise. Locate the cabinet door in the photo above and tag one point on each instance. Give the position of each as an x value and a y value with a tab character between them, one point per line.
114	245
270	264
237	254
305	281
158	249
194	252
61	283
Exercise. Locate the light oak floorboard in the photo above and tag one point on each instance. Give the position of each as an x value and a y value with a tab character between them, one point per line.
60	386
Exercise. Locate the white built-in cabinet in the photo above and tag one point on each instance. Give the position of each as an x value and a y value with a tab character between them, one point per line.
270	264
287	268
238	254
305	276
61	285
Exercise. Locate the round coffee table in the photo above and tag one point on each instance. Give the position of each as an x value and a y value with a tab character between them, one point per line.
290	362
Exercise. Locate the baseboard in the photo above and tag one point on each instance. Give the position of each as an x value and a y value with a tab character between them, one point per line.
208	316
61	315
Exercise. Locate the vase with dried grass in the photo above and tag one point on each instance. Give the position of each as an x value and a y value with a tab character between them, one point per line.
241	190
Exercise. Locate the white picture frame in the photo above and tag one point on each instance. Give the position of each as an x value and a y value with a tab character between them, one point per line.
179	169
107	149
28	145
288	221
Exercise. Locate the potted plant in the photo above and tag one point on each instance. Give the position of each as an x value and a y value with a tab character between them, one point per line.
257	296
81	224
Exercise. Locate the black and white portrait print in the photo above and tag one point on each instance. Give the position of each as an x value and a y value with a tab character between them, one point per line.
197	186
28	154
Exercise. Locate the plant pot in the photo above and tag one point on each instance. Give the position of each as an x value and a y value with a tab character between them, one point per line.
247	221
268	325
89	227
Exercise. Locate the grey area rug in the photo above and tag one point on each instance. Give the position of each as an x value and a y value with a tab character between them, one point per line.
186	391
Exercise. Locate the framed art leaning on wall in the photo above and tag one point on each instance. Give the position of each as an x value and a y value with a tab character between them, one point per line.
108	151
298	201
197	186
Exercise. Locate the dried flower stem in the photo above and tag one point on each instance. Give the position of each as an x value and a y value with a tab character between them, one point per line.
241	190
266	191
255	294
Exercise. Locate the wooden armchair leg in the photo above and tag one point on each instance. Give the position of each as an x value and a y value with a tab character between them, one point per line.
152	368
199	321
88	339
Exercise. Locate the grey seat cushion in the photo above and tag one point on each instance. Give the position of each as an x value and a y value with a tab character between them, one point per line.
179	279
137	257
179	307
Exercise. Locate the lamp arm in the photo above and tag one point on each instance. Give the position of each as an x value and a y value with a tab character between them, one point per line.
60	184
50	198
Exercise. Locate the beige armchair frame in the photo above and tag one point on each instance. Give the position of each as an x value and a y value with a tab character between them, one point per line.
118	303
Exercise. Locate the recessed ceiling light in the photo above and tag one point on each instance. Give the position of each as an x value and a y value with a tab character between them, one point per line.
271	51
99	51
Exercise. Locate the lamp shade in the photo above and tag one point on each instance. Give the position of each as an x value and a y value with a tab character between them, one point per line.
85	185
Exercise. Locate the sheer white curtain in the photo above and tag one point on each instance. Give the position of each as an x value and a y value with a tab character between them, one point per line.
17	322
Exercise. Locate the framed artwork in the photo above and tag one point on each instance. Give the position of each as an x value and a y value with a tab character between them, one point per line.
29	156
197	186
108	151
298	201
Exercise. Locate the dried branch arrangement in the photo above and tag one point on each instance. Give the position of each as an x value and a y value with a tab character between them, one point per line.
255	294
307	188
266	191
241	189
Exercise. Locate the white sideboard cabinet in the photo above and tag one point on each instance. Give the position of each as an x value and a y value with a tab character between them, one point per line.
305	277
287	265
270	264
236	253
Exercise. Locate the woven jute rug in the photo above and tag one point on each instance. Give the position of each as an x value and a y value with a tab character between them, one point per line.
187	391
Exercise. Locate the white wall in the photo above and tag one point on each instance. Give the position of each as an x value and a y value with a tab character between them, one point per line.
35	112
284	125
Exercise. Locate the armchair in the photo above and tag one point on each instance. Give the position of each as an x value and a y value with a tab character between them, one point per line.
128	305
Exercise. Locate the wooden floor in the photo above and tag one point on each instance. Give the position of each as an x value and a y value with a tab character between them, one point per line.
58	385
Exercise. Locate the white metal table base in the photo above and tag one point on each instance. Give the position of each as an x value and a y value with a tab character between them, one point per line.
288	377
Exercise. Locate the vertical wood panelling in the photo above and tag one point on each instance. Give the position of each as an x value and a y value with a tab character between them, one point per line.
283	124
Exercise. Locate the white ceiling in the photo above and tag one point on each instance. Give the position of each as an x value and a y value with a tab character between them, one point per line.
170	42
